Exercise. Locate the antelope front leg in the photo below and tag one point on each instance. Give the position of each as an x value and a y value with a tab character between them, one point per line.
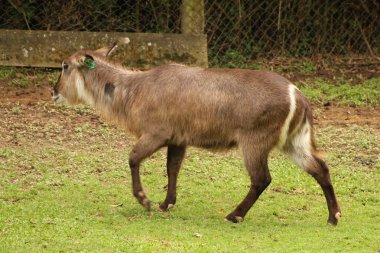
174	161
146	146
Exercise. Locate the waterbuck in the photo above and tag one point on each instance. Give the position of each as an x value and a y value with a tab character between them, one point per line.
176	106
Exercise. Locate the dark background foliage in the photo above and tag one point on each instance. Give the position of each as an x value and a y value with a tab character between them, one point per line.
236	29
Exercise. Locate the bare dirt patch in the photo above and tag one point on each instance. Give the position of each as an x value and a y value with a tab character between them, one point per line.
345	116
25	95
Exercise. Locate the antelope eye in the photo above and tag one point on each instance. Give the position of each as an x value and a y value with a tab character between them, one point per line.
65	66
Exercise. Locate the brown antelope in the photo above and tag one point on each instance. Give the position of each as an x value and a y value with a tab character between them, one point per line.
178	106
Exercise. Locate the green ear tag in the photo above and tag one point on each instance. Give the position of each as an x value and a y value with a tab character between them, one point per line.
90	63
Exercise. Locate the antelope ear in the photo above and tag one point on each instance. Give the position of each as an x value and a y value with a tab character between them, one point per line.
87	61
106	51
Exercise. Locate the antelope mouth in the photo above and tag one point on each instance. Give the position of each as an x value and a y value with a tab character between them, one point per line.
57	98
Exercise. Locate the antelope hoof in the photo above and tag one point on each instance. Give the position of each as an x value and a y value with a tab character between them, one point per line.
334	220
143	200
146	204
165	207
233	218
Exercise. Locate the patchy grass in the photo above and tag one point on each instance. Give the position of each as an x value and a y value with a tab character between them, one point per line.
365	94
7	72
305	67
28	77
65	186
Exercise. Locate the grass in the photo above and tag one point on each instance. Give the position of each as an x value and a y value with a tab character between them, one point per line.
365	94
28	77
65	186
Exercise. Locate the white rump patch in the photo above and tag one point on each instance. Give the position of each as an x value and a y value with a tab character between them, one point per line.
301	142
292	109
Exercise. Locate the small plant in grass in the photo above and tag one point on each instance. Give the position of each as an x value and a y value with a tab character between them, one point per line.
305	67
7	72
22	83
308	67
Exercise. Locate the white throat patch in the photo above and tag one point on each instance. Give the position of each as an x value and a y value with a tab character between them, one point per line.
83	94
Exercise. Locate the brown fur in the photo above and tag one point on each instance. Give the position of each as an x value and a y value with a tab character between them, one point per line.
179	106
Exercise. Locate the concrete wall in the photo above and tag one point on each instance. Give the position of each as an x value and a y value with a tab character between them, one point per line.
138	50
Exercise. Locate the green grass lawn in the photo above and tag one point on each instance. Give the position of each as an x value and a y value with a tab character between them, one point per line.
366	93
65	187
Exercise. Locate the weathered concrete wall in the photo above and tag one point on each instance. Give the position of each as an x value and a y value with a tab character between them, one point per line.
193	17
139	50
